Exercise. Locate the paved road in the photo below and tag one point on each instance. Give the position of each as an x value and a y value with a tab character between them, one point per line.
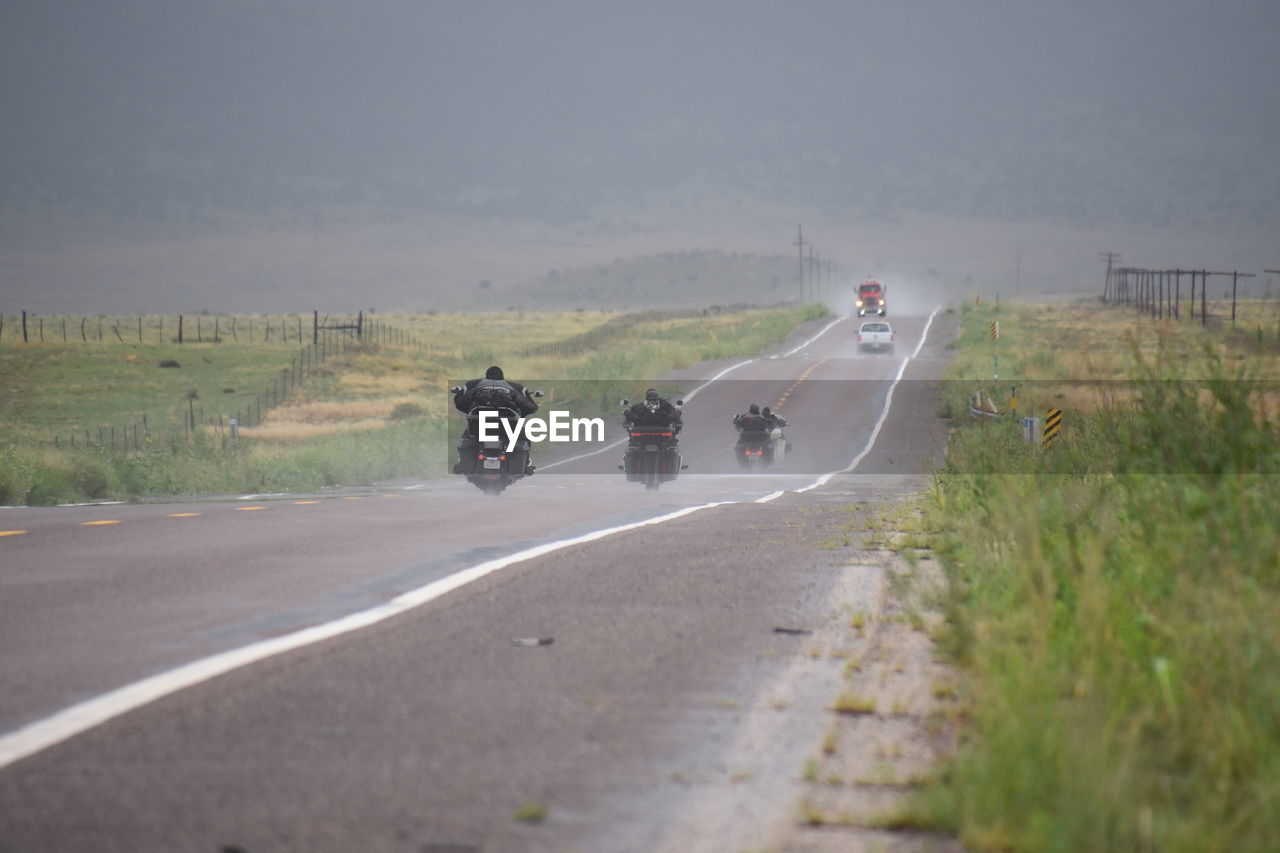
432	727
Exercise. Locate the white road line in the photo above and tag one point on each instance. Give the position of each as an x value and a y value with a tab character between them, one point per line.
621	441
79	718
72	721
884	413
814	338
690	396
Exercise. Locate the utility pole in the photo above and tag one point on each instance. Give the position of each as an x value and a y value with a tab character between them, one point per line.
1107	295
817	278
800	243
812	280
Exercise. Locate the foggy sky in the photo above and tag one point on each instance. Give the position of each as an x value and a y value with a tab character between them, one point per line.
1078	114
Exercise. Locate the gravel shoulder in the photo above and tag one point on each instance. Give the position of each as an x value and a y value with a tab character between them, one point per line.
862	712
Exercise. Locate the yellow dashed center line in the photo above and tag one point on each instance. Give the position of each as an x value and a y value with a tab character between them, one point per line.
99	523
183	514
12	532
249	508
352	497
803	377
300	503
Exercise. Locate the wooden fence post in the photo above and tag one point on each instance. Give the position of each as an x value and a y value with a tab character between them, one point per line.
1204	299
1235	278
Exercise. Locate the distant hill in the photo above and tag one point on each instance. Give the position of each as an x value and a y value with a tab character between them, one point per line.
677	279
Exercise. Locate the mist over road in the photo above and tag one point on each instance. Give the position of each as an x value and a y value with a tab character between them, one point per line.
433	726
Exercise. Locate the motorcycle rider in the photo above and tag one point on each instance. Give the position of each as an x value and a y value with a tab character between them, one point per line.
752	420
654	411
776	423
493	390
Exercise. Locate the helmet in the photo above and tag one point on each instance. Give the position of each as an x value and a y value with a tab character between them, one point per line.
765	411
754	410
494	372
652	394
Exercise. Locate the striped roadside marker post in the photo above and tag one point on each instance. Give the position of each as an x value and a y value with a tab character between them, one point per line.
1052	424
995	356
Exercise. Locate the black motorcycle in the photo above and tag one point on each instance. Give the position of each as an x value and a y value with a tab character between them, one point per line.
488	464
652	456
758	448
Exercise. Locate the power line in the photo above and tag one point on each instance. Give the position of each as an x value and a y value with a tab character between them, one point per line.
800	243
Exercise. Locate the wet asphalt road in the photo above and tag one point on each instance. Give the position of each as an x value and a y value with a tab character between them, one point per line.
433	727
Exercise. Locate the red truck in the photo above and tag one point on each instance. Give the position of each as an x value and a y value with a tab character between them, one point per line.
871	299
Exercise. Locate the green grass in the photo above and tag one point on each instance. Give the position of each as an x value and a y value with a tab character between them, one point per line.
59	388
374	412
1113	605
854	704
531	812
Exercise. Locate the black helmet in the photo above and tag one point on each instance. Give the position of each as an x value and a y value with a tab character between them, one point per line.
765	411
652	394
754	410
494	372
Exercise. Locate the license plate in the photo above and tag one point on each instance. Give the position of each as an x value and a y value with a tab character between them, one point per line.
651	447
493	463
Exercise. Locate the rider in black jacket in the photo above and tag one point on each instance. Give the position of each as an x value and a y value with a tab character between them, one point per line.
493	389
654	411
775	421
469	395
752	420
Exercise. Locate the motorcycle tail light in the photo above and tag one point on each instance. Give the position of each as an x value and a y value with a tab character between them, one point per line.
479	455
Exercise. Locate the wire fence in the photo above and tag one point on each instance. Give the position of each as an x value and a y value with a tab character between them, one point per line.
321	338
31	328
144	432
1160	294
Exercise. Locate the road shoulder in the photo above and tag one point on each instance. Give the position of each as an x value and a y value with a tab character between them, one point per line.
827	754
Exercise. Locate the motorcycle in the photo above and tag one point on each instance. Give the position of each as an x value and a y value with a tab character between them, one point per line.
651	457
489	465
758	448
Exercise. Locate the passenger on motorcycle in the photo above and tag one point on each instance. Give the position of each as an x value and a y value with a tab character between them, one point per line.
775	421
752	421
654	411
495	391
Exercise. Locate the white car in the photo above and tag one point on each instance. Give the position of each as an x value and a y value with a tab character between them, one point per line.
875	335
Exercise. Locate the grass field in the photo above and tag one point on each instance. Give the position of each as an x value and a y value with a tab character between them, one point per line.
1114	601
373	409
